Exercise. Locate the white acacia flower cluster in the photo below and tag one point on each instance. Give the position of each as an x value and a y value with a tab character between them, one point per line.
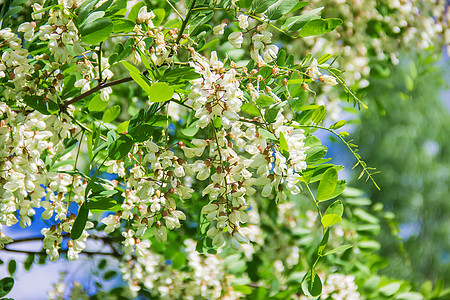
237	159
148	198
208	278
411	25
216	93
15	67
60	31
28	75
261	49
340	287
27	180
163	44
32	143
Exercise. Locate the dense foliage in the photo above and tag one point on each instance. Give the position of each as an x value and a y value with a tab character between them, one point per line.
147	127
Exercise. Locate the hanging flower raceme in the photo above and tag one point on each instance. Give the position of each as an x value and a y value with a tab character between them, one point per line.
216	93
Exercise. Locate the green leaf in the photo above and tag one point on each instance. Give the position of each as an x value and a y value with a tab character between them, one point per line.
137	77
251	109
264	100
133	14
12	266
211	44
290	60
260	6
102	264
280	8
179	75
146	62
318	114
101	203
123	127
327	184
317	172
369	245
44	106
11	12
319	26
104	6
117	8
97	31
281	57
272	112
109	275
118	48
389	289
97	104
28	262
160	92
297	22
92	17
63	163
122	25
338	249
365	216
6	285
315	154
120	147
335	208
191	130
143	116
324	58
311	284
84	10
298	102
340	187
299	5
267	134
354	192
160	13
69	82
127	50
107	193
141	133
111	114
324	241
338	124
80	222
244	289
284	146
410	296
244	3
330	219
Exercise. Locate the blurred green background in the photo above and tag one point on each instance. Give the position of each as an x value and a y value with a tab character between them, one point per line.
405	134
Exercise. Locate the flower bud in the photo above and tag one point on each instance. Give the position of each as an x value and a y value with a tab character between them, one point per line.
305	86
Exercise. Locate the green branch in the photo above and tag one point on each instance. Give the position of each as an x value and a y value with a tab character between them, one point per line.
185	21
347	89
366	169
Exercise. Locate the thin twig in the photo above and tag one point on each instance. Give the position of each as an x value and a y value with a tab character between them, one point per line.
356	155
88	253
96	89
99	56
176	11
185	21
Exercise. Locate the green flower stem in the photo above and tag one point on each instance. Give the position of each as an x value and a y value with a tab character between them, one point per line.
316	203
